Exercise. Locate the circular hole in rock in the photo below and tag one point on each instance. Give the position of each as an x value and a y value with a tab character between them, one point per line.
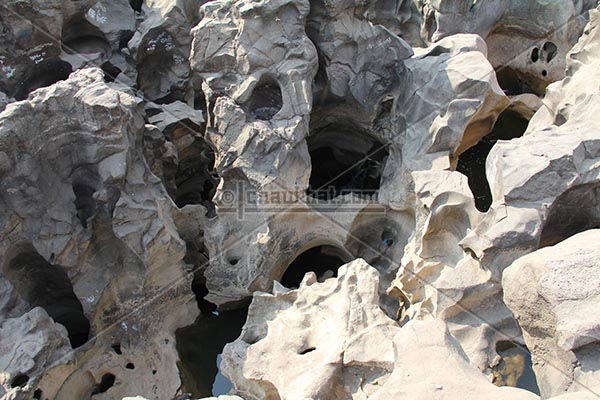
37	395
117	348
387	237
551	51
130	366
544	73
265	100
234	260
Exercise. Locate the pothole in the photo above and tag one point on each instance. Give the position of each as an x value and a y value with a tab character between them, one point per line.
45	285
265	100
515	368
471	163
200	346
81	37
324	261
345	160
44	74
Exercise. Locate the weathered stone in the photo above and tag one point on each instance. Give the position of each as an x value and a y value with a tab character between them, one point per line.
338	346
83	215
223	149
430	363
528	39
552	292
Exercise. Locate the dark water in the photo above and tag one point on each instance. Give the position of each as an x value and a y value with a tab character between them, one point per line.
515	369
200	346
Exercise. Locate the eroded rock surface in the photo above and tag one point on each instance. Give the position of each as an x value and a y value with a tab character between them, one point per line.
337	349
164	159
552	292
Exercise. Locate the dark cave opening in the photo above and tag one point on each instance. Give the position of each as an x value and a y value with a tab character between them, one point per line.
117	348
515	368
106	382
344	160
81	37
19	381
324	261
110	71
196	186
124	38
193	180
45	285
84	202
265	101
200	346
44	74
510	81
471	163
196	190
136	5
573	212
200	291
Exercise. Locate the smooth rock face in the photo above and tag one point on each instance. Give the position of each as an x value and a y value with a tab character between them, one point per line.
553	293
165	158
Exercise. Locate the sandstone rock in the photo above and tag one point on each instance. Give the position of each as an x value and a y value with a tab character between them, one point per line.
215	147
528	54
40	344
4	100
430	363
88	235
552	292
338	347
160	49
537	182
588	394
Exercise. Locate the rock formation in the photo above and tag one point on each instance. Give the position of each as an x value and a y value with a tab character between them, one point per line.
404	193
552	292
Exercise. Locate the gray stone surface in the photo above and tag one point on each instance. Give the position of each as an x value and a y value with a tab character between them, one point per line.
156	151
